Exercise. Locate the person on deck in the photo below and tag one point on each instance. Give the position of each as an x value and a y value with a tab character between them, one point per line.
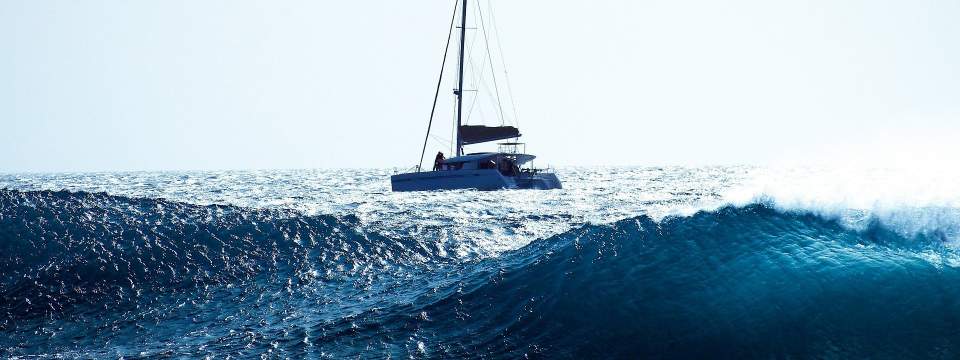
438	161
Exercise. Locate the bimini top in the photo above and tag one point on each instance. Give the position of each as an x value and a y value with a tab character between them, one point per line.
470	158
475	134
519	159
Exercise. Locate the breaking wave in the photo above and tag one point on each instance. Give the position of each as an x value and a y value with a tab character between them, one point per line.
90	275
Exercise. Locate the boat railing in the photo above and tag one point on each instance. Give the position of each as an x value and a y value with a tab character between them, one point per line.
534	171
512	148
411	169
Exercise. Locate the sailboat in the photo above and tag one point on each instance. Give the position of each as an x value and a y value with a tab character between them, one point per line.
507	168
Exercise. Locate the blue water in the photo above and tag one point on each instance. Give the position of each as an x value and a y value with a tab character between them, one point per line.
624	262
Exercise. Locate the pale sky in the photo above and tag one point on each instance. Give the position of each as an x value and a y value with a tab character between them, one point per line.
236	84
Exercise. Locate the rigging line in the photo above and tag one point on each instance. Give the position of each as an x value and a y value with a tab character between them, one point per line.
439	138
477	80
473	102
479	105
469	49
493	73
503	61
480	111
436	95
442	142
478	84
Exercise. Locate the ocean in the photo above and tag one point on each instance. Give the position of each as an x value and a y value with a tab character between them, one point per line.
638	262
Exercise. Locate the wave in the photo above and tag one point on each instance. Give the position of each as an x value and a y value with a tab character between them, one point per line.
740	281
60	248
753	280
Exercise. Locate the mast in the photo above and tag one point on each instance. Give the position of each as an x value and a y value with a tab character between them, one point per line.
459	91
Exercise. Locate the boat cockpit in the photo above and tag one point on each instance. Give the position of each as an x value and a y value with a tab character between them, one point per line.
508	164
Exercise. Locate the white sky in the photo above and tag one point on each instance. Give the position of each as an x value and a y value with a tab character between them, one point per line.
200	84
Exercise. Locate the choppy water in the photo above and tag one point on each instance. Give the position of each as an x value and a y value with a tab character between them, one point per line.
623	262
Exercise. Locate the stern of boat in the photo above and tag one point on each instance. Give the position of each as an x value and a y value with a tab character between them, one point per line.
538	180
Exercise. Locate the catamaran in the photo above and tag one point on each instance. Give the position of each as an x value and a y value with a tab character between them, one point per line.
507	168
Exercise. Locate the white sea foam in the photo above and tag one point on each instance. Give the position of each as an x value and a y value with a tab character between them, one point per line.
910	199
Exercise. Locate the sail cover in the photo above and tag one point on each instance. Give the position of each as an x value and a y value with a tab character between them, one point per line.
475	134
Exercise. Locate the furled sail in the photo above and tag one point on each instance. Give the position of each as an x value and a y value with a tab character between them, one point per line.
475	134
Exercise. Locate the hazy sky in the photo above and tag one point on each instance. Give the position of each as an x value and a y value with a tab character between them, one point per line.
145	85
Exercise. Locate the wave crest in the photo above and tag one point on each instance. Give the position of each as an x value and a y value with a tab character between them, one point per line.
740	281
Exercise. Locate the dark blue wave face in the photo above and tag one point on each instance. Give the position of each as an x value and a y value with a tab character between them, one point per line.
90	276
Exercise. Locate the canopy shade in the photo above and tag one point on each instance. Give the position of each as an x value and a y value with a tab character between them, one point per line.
475	134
